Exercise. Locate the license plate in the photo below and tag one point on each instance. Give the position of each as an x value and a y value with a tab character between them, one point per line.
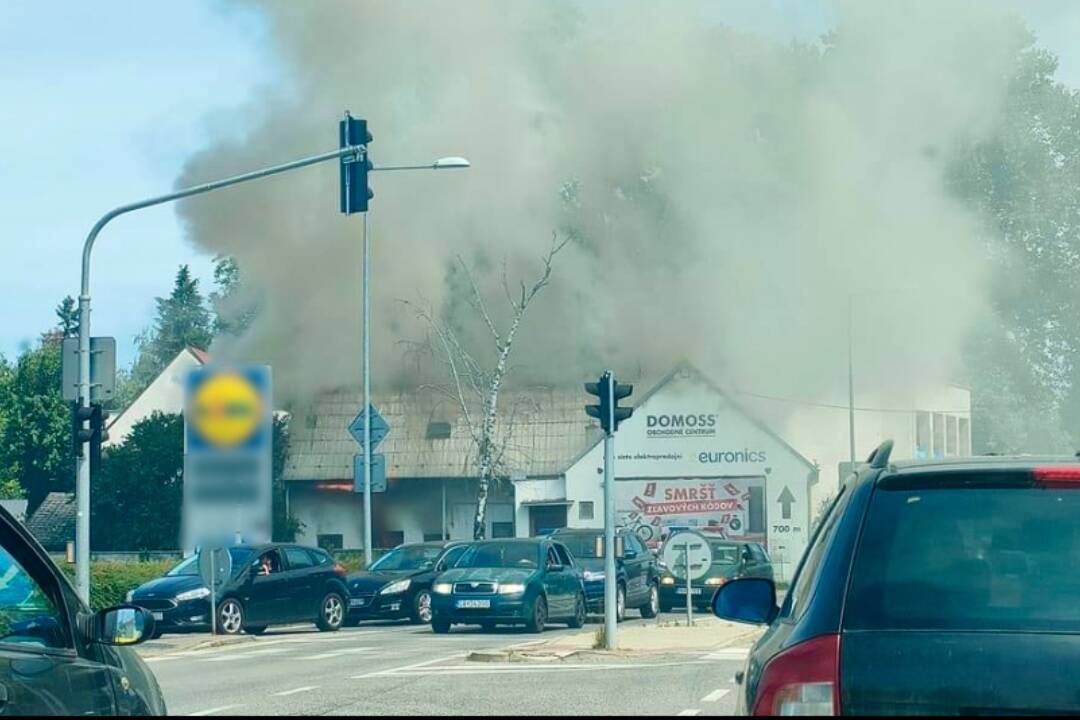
358	602
158	616
474	603
682	591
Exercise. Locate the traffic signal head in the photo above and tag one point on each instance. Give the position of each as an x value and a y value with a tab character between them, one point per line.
609	393
79	434
355	192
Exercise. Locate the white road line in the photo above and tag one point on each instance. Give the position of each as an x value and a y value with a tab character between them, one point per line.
391	671
491	669
735	653
715	695
296	690
211	711
337	653
690	712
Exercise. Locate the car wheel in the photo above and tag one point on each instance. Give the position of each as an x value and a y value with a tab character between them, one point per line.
620	603
579	614
440	625
650	609
331	613
230	617
421	612
257	630
538	620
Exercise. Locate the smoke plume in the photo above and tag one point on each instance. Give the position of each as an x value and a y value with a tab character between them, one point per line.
728	194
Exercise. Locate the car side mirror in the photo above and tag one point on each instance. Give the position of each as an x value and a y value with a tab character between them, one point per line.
123	625
747	600
629	554
555	567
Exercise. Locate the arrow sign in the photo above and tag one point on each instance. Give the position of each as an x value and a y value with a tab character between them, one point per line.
379	428
786	499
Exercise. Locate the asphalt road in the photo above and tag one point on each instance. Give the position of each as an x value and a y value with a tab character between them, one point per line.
393	669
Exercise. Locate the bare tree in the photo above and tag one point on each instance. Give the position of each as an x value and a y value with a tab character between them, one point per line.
475	377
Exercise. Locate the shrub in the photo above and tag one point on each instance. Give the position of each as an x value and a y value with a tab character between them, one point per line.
110	580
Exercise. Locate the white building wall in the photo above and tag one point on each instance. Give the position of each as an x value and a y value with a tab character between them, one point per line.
164	394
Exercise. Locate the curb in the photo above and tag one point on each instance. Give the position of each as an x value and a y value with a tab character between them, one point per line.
198	645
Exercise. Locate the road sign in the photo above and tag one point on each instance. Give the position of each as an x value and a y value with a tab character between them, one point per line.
102	368
786	499
378	473
215	567
675	556
379	428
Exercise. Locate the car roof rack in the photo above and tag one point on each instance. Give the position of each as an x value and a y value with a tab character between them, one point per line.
880	457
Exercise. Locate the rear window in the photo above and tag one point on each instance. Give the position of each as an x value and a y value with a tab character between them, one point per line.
579	544
979	557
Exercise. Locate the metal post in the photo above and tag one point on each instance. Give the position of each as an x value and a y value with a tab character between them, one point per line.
851	380
213	595
444	536
610	619
368	555
82	476
689	592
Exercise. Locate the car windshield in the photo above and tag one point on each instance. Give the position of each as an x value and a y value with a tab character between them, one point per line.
968	559
501	555
580	545
190	566
724	553
408	557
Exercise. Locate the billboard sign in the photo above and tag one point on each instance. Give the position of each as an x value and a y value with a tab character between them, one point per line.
228	442
656	507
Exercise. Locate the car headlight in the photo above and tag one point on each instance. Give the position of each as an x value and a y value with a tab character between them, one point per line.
511	589
716	581
193	594
130	595
593	575
667	581
441	588
396	587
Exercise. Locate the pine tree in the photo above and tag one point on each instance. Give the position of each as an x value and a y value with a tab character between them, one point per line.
69	316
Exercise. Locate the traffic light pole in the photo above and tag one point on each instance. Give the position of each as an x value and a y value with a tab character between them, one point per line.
82	475
610	581
368	535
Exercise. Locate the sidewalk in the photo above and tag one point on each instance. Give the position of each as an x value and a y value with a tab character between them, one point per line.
667	637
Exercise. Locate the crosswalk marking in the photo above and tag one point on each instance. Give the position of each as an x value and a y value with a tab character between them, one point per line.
715	695
294	691
243	655
734	653
211	711
337	653
689	712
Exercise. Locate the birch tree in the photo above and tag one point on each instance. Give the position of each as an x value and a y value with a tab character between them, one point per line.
477	374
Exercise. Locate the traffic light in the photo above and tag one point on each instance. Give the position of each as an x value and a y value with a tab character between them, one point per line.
98	435
79	435
609	392
355	192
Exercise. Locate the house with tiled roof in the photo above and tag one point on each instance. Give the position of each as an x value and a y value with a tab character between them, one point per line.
53	522
165	394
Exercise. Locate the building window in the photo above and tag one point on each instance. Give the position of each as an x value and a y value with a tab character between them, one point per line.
965	437
922	435
939	436
502	530
438	431
330	542
585	510
433	537
950	436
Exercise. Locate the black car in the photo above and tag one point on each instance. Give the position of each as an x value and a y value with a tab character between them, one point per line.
946	588
510	582
56	657
731	559
637	571
271	584
398	585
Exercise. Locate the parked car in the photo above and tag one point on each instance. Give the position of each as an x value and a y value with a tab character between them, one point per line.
271	584
945	588
731	559
56	657
398	585
637	571
510	582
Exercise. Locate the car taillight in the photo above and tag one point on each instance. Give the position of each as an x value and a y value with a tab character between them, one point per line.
1057	476
339	569
802	680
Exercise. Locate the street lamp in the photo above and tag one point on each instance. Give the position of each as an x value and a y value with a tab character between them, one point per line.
444	163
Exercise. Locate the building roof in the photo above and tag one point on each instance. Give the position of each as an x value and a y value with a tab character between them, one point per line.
163	394
53	523
550	427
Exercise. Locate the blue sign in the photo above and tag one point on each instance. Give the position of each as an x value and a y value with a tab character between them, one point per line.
379	428
378	473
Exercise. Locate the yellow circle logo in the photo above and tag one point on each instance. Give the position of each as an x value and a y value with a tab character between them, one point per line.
226	409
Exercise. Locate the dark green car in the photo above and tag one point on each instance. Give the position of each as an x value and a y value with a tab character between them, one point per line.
510	582
731	559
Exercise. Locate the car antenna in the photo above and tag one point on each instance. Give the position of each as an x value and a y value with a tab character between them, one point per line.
880	457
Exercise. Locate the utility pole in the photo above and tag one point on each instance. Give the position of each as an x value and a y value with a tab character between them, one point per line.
851	380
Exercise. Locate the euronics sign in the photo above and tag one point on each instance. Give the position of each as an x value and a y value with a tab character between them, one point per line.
228	442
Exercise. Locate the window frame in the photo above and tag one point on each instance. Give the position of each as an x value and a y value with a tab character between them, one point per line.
303	552
37	569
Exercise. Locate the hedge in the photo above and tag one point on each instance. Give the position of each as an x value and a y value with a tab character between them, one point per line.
110	580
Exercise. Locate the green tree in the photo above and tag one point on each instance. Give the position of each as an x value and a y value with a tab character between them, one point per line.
35	424
68	314
182	321
233	313
286	526
137	498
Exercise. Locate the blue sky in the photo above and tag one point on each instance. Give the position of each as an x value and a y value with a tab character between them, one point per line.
103	101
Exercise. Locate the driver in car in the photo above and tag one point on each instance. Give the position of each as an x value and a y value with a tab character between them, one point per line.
266	566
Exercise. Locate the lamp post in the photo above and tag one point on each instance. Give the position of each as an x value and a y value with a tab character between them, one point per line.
445	163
